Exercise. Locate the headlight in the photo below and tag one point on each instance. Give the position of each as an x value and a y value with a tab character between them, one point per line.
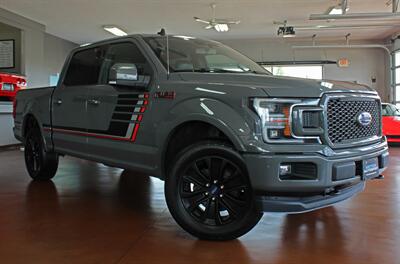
275	115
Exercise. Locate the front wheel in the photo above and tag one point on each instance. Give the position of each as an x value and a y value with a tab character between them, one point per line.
209	194
41	165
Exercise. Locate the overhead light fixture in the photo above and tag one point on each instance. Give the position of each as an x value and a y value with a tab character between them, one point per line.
221	27
115	31
363	16
337	10
339	27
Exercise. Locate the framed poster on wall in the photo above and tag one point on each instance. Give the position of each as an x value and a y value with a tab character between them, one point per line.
7	54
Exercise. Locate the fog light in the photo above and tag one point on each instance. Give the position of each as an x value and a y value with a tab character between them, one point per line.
274	133
285	169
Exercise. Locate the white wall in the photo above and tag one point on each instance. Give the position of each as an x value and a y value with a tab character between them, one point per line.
56	50
42	54
364	63
8	32
6	124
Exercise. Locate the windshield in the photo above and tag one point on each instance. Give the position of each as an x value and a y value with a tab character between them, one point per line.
187	54
390	110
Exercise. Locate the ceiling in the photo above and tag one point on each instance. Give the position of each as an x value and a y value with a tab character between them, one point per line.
81	21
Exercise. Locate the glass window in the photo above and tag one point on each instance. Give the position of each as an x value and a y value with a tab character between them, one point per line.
397	58
188	54
84	68
390	110
397	76
299	71
126	52
398	93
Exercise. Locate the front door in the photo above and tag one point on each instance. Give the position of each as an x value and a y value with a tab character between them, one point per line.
115	112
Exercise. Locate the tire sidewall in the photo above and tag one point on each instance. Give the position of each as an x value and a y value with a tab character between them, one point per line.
33	135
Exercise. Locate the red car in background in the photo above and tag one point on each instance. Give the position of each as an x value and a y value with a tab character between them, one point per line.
10	84
391	122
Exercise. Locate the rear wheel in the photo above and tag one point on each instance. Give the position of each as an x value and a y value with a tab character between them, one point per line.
41	165
209	194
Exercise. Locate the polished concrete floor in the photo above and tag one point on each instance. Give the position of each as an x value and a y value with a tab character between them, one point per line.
91	213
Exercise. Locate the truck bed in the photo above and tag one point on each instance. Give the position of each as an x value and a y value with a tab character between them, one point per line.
34	101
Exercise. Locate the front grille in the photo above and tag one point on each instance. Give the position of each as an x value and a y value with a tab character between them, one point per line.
343	126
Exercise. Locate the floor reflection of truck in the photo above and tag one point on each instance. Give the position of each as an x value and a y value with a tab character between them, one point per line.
10	84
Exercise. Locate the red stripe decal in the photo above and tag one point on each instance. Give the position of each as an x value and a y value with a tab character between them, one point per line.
146	102
135	130
78	133
139	118
142	109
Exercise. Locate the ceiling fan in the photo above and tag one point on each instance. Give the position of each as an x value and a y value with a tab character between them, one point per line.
218	24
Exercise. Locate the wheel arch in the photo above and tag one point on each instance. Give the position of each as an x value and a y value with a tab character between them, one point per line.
194	130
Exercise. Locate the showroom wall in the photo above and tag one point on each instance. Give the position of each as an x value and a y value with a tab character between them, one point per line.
56	51
11	33
41	54
365	64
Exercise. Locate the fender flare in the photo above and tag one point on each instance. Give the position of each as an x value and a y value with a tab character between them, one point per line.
209	111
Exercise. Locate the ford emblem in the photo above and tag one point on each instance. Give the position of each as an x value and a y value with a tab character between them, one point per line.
364	119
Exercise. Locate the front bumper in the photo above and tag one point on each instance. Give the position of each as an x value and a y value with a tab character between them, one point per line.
310	203
295	196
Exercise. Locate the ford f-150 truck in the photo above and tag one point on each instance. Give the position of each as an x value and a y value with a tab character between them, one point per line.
230	140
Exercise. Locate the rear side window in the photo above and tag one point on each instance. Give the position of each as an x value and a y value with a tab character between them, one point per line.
84	68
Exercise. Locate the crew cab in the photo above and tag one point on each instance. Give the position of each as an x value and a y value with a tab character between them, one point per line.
230	140
10	84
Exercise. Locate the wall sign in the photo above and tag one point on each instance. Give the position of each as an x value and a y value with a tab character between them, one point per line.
343	63
7	54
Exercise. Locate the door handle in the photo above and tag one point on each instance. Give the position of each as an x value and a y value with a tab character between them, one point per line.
58	101
94	102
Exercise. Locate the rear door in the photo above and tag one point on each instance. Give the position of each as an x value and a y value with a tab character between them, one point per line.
116	113
70	101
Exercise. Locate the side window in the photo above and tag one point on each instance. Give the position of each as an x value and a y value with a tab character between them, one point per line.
385	110
126	52
84	68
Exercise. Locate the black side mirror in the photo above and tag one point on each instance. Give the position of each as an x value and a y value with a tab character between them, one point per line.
126	74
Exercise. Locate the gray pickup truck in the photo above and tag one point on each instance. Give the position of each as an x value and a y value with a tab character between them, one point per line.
230	140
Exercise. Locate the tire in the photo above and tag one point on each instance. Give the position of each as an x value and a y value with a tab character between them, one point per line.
41	165
209	194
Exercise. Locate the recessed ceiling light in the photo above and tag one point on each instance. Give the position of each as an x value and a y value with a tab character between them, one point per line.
337	11
115	31
221	27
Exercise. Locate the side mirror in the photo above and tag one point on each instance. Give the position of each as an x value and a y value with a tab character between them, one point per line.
126	74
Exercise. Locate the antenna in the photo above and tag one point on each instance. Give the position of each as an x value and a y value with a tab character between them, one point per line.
167	56
163	33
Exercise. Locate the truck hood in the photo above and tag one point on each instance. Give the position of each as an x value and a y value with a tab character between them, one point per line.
276	86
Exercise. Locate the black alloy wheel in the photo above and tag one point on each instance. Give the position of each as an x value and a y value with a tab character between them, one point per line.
214	191
209	194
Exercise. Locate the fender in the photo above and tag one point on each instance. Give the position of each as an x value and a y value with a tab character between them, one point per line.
211	111
39	111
